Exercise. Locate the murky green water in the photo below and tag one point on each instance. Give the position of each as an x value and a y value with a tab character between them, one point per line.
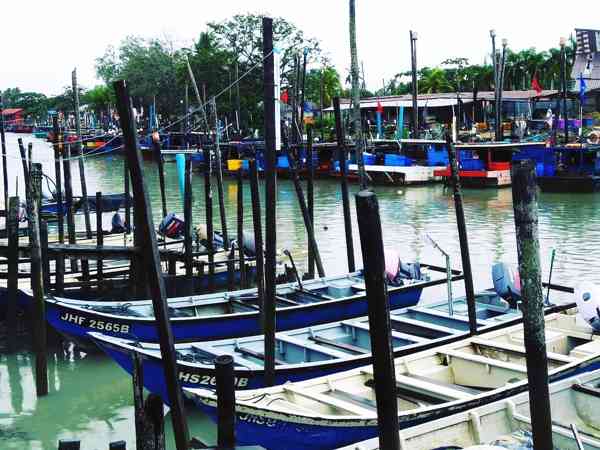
90	397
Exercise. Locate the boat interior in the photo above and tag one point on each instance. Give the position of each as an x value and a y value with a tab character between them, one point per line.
348	338
455	372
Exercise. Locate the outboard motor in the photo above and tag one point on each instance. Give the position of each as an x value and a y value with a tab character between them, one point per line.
507	283
171	226
397	271
587	297
117	223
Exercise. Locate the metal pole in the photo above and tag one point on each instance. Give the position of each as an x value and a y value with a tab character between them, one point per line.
462	236
524	191
384	374
270	200
152	260
342	151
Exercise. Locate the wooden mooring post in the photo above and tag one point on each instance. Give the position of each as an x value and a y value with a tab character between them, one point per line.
59	269
69	203
12	224
4	166
524	192
99	240
225	401
462	236
384	375
342	152
151	259
209	219
310	195
37	282
258	240
148	414
187	219
161	171
240	230
312	242
270	200
69	444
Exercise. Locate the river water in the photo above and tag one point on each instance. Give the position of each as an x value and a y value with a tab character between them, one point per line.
91	398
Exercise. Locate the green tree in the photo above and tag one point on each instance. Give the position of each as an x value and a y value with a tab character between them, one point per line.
331	85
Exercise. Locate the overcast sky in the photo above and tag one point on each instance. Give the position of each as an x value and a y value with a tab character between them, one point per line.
42	41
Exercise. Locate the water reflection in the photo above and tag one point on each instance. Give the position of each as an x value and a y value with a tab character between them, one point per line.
90	397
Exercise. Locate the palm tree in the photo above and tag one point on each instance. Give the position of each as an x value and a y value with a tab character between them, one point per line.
433	80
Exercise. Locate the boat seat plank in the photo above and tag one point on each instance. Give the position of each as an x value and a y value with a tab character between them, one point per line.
255	354
436	390
328	400
465	389
483	360
418	323
286	301
250	306
311	346
396	334
343	346
518	349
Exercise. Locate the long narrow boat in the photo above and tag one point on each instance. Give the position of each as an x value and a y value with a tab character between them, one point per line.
336	410
228	314
314	351
507	423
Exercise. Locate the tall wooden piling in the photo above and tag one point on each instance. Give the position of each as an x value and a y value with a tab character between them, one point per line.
79	148
219	176
4	166
225	401
258	240
342	158
69	202
356	118
208	201
312	242
127	190
240	230
12	225
149	414
462	236
59	269
161	171
151	258
37	283
384	375
524	191
187	219
414	86
99	239
310	195
270	200
45	257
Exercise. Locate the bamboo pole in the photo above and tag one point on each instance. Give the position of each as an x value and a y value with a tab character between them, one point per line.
59	275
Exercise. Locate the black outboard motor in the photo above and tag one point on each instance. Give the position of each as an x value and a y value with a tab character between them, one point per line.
397	271
118	224
171	226
507	283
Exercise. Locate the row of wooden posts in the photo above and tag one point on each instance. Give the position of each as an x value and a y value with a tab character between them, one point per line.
146	253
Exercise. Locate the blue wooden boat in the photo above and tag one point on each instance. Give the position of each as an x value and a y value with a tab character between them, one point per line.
314	351
110	203
336	410
229	314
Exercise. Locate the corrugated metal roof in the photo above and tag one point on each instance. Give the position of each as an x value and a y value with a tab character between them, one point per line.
11	111
441	99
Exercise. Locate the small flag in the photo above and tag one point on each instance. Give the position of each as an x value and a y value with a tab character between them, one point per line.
285	96
582	88
535	85
379	107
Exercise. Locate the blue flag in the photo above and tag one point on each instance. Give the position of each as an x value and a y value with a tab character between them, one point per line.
582	88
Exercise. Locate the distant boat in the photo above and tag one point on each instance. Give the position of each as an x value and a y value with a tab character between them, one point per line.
314	351
228	314
507	423
336	410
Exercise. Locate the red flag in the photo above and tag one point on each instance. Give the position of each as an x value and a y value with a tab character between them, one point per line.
284	96
379	107
535	85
